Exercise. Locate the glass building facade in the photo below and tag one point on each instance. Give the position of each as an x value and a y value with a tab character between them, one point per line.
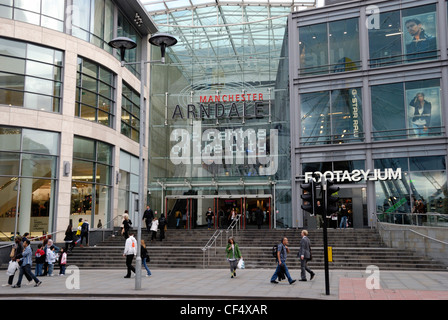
69	113
219	122
368	107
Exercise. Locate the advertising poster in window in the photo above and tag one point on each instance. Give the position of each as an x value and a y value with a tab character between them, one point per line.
423	111
419	33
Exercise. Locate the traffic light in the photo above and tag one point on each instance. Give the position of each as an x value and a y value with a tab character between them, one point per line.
309	196
331	201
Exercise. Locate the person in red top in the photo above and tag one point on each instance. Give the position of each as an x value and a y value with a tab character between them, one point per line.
40	258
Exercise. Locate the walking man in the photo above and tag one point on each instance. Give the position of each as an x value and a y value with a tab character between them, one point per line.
27	258
282	253
130	250
305	256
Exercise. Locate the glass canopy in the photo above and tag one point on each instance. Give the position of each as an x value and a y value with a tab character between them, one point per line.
223	35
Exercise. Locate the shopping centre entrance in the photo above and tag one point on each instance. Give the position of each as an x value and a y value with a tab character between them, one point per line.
189	211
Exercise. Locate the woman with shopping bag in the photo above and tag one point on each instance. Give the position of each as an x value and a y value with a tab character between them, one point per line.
233	256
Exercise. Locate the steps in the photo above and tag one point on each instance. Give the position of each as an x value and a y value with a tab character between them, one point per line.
352	249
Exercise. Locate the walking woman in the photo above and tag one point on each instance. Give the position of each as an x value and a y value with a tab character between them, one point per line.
233	255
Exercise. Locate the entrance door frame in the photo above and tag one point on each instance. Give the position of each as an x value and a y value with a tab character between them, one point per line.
216	199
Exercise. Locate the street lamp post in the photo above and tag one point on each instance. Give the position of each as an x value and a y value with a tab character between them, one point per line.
162	40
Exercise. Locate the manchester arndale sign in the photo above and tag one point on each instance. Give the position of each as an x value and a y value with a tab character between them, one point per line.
355	175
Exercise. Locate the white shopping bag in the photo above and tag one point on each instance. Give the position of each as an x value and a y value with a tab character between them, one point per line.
241	264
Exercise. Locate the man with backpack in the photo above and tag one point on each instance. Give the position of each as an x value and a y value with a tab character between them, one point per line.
282	253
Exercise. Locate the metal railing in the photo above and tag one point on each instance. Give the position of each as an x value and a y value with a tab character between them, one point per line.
213	239
428	246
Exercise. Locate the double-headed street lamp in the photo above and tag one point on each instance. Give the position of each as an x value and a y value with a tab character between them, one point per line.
162	40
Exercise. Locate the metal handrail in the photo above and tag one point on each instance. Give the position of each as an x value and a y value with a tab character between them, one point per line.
214	237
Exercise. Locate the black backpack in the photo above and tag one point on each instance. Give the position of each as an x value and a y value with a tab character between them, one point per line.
274	251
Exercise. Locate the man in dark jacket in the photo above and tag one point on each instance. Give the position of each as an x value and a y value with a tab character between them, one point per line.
305	256
149	216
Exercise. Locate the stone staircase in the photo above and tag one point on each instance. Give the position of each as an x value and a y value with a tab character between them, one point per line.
352	249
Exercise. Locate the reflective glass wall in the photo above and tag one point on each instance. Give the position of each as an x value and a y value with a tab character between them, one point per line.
30	76
28	179
91	181
219	108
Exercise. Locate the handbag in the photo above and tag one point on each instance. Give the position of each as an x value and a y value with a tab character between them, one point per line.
241	264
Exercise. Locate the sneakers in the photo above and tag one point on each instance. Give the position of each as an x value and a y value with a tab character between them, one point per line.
38	284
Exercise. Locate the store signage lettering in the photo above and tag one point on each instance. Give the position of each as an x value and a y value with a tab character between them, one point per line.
355	113
228	146
355	175
223	106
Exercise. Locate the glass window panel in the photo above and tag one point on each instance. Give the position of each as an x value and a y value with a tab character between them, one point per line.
79	33
104	104
30	5
39	102
38	166
104	118
102	203
53	8
106	76
11	98
88	113
315	109
38	69
104	153
105	90
388	117
393	163
39	85
83	148
82	171
427	163
424	108
97	18
52	23
5	12
12	48
313	49
346	111
103	175
89	83
89	68
10	139
420	33
12	81
392	197
385	41
26	16
9	197
81	202
428	187
40	54
40	141
13	65
81	14
89	98
9	163
344	45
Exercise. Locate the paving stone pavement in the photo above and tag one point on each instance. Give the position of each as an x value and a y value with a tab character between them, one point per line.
209	284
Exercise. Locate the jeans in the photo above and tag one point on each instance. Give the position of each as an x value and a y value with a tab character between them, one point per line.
50	269
146	266
343	223
26	269
275	275
38	270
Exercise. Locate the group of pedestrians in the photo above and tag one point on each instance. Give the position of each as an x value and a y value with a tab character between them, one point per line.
234	256
45	257
304	255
